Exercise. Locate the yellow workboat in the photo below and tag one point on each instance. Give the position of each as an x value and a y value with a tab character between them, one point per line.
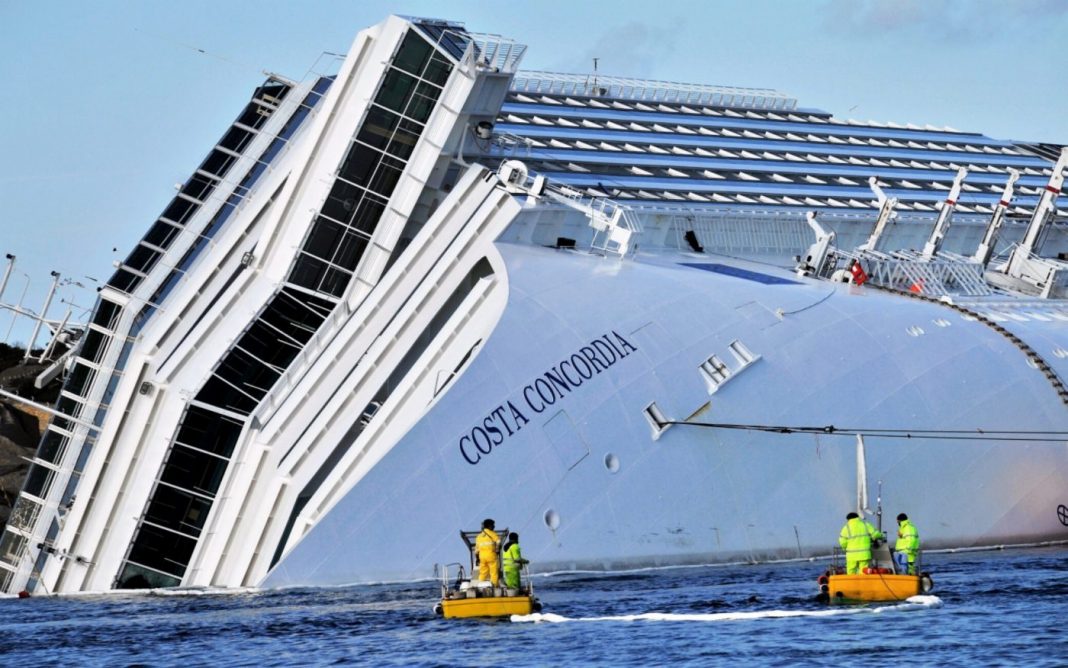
880	583
469	597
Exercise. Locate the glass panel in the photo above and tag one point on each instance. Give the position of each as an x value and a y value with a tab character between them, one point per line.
93	347
359	165
38	481
138	577
378	127
161	550
80	378
422	103
161	234
395	91
178	510
208	430
11	547
52	446
236	140
106	314
217	163
192	470
413	54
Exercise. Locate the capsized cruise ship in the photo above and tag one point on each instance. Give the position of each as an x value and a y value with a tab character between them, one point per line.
639	322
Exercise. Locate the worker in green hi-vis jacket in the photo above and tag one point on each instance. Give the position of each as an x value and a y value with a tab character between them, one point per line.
513	561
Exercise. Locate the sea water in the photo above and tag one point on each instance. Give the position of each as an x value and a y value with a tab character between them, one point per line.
988	608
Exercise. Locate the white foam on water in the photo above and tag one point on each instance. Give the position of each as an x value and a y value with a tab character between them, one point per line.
912	603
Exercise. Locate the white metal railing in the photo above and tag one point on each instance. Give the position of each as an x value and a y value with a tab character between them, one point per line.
647	90
495	51
614	224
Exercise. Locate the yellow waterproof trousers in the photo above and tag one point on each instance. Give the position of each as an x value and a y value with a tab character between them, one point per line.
854	567
487	568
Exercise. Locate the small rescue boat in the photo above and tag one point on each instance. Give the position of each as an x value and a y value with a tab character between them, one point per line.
469	597
880	583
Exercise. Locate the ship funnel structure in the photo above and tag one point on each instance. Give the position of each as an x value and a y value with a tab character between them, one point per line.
990	238
938	235
886	214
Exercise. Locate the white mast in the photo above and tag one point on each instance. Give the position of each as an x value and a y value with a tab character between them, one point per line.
990	239
938	235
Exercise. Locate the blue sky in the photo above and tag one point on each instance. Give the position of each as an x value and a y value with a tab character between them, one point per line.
106	105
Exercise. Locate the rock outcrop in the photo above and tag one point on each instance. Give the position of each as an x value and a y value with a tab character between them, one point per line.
19	433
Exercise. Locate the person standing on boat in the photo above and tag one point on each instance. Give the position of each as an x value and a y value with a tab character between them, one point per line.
856	539
487	545
513	561
908	544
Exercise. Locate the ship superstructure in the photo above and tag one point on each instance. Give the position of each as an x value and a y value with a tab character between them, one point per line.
424	288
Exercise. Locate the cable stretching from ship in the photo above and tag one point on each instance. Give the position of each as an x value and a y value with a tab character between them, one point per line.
936	434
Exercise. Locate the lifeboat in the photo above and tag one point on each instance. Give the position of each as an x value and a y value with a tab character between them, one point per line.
883	582
470	597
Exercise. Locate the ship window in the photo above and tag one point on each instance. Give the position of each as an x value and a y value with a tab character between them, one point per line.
235	140
179	210
93	346
332	240
198	187
551	519
159	549
359	164
413	54
124	281
386	176
161	234
106	314
139	577
217	163
178	510
80	377
437	70
396	90
341	202
141	258
422	102
209	431
378	127
193	470
218	392
52	446
38	481
11	547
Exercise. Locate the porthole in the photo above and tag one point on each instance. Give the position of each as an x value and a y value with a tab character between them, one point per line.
611	462
552	519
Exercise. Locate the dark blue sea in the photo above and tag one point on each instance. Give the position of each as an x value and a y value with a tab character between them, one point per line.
988	608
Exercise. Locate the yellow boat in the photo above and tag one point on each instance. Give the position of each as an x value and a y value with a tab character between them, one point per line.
470	597
877	584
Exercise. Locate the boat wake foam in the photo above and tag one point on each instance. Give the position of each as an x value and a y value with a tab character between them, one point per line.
912	603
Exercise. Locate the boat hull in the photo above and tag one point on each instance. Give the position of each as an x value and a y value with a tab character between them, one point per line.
875	587
489	606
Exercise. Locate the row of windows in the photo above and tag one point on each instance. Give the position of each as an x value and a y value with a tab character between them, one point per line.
199	457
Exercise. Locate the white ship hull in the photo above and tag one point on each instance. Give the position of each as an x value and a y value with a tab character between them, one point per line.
345	340
699	495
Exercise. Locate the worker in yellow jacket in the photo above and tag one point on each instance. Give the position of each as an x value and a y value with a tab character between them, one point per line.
908	544
856	539
487	544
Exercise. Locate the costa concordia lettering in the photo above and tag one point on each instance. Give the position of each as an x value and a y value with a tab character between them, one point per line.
422	287
543	393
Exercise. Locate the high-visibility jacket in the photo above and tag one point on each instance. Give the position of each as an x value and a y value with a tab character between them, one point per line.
908	539
856	538
486	545
513	558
